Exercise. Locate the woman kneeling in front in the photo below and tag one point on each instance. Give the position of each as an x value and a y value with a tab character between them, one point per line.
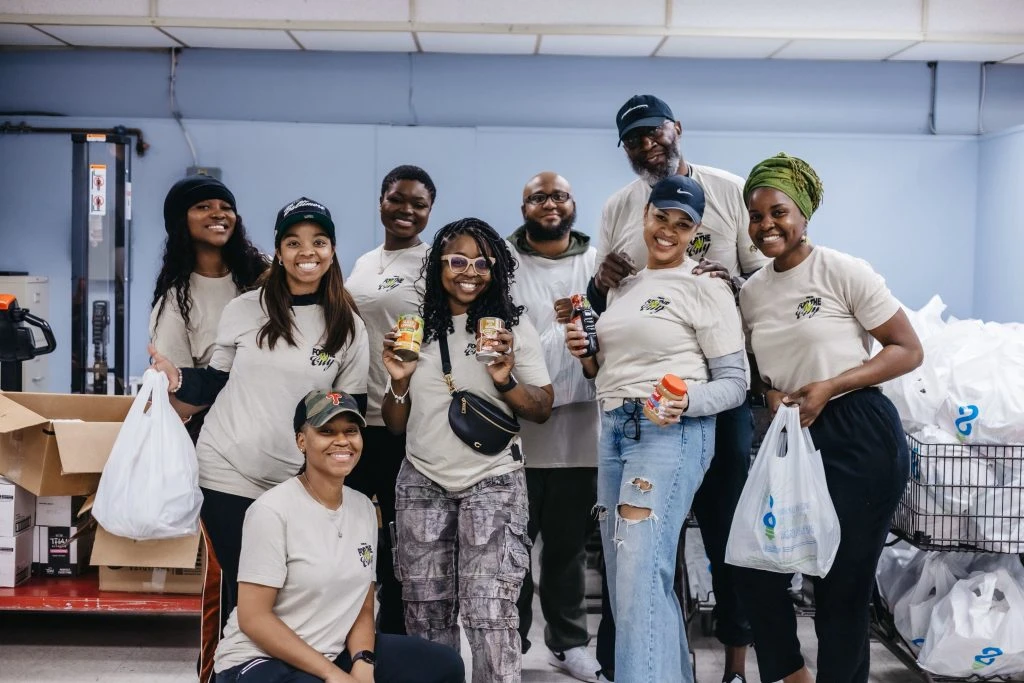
305	577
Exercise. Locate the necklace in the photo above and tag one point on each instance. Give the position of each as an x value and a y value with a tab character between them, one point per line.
221	273
383	266
312	491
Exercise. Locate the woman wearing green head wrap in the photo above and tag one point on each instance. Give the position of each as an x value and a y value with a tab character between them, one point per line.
811	315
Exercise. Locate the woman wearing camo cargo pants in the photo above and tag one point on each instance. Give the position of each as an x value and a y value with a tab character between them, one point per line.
460	515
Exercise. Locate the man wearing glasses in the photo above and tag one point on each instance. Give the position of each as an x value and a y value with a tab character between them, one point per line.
555	262
722	248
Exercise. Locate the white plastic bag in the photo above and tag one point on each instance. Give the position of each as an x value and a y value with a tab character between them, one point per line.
785	520
978	629
150	485
912	613
898	569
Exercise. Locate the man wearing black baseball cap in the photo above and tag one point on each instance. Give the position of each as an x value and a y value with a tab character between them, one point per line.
650	134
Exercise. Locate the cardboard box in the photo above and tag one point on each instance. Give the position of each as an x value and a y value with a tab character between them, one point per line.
61	551
187	581
58	510
16	558
57	444
17	509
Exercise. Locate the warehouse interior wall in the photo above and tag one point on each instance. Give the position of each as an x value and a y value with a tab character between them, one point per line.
330	125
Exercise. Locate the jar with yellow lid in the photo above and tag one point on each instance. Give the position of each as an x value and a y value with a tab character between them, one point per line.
670	388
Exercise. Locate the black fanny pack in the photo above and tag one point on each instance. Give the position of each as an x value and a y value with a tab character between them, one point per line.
480	424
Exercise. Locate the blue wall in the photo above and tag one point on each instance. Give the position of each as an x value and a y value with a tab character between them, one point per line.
281	125
999	277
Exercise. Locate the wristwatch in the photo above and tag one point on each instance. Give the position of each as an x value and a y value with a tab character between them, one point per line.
366	656
511	384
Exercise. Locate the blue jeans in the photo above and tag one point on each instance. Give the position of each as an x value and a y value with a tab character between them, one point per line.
659	472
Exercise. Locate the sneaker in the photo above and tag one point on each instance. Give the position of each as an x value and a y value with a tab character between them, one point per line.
578	663
735	678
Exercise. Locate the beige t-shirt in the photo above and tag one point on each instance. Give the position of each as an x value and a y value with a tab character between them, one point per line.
247	444
191	346
321	561
384	286
722	235
431	445
810	323
664	321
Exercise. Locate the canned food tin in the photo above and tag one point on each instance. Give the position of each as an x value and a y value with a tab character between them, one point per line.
410	337
487	337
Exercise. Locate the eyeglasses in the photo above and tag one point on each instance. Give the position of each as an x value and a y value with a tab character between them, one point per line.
538	198
460	264
635	138
631	427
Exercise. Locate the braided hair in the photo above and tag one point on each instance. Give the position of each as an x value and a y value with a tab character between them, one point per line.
241	256
495	301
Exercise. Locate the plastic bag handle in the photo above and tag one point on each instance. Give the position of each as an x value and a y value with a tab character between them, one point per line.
797	437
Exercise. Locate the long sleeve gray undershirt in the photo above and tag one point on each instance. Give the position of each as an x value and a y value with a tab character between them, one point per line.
727	388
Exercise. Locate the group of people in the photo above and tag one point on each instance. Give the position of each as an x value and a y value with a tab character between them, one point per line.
303	408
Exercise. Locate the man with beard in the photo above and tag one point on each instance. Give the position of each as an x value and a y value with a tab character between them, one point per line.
555	261
722	248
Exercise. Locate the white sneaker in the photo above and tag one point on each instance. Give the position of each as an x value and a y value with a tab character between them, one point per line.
578	663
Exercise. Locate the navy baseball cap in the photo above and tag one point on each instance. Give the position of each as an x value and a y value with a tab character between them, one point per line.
301	210
642	111
679	192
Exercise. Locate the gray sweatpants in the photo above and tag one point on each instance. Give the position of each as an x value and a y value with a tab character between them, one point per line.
464	552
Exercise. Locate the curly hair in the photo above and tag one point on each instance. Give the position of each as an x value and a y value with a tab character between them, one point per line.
495	301
241	256
408	172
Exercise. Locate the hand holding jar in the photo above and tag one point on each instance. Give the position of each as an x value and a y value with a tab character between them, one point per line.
668	401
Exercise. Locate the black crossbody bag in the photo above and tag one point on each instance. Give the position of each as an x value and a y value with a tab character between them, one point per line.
480	424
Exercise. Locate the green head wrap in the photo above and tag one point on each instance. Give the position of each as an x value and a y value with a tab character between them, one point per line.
792	176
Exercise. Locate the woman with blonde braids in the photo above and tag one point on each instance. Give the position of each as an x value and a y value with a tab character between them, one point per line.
811	315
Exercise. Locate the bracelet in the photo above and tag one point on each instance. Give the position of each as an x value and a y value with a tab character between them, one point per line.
388	389
181	378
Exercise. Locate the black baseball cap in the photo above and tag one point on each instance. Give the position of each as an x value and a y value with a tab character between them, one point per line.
679	192
642	111
301	210
319	407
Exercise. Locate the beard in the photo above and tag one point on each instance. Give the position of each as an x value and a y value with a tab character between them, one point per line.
541	233
653	174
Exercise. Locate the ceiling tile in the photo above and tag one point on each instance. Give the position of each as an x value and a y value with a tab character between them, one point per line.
720	48
276	10
796	16
92	8
1019	59
605	46
477	43
976	16
234	38
544	12
841	49
22	34
112	36
356	41
959	52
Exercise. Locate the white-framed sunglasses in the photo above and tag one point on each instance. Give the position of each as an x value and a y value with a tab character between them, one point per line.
460	264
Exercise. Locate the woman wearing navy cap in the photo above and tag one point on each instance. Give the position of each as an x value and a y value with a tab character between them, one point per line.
306	590
663	320
297	332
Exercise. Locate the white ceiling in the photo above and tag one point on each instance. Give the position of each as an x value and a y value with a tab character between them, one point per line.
925	30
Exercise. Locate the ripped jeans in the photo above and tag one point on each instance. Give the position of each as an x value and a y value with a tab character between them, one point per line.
464	552
659	474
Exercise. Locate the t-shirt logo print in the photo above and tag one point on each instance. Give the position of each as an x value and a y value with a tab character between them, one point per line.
470	349
390	283
808	308
655	304
699	245
365	551
319	358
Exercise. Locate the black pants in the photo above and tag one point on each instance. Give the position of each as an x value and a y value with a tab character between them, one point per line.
375	475
400	659
561	504
866	466
714	506
223	514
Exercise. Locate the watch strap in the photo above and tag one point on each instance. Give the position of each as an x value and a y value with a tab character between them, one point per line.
367	656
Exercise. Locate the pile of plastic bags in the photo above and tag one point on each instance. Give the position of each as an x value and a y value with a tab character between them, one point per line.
962	613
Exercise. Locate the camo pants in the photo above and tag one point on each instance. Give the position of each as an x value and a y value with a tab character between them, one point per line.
464	552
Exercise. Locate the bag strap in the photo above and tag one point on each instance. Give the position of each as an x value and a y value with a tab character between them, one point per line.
446	362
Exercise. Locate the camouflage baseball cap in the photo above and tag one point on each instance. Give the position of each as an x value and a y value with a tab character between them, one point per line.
318	407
